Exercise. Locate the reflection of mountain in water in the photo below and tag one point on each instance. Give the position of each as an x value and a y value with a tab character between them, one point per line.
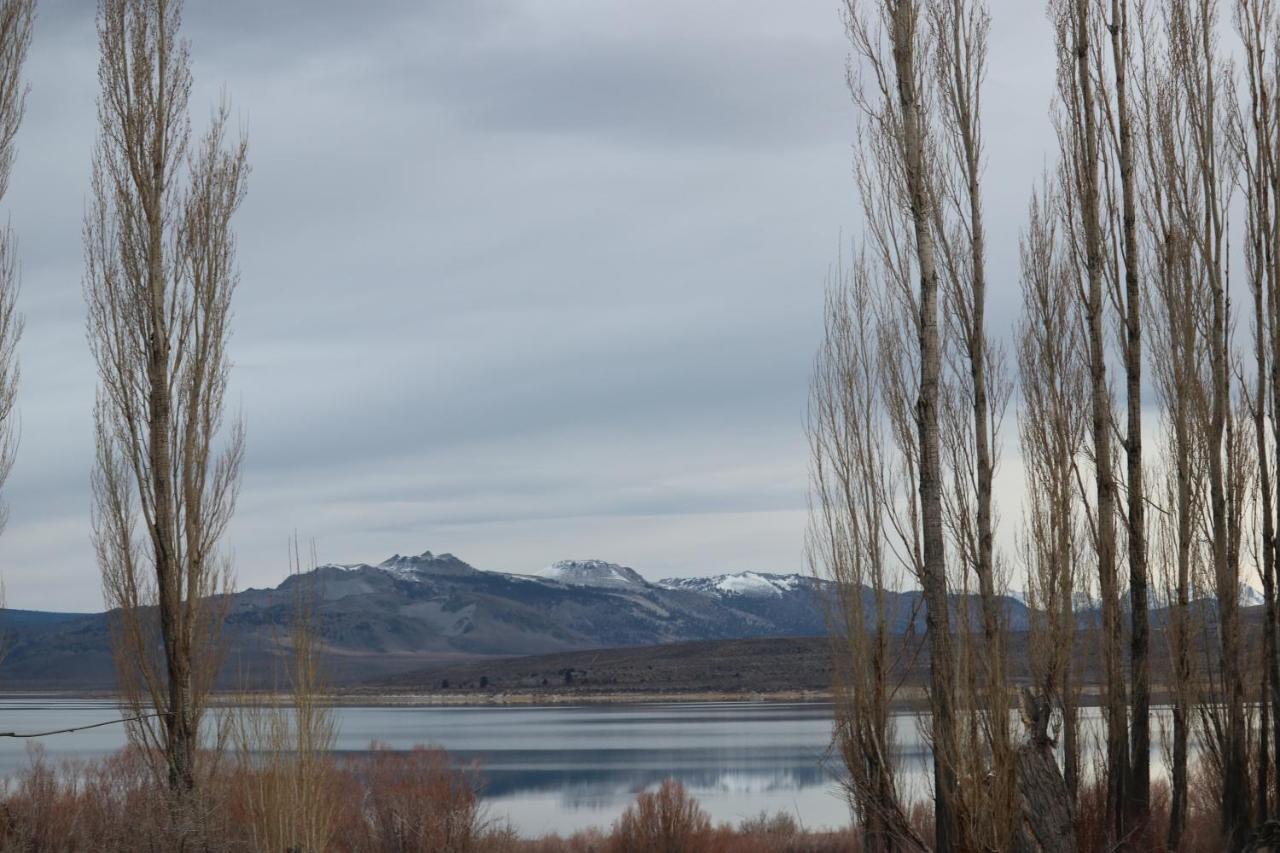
597	789
585	776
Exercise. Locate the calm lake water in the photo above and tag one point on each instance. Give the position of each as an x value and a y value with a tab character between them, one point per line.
558	768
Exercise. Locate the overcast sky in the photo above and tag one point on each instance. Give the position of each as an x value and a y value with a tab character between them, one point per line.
521	279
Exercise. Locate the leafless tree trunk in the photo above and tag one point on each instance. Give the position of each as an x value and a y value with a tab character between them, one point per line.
1079	70
1258	135
888	37
853	497
1203	85
1137	805
15	37
160	272
1177	352
1271	336
1200	174
1052	432
904	18
975	401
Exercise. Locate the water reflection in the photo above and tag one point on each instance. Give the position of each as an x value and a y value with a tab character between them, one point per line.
560	768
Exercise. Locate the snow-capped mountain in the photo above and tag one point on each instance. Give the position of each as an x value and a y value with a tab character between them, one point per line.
412	609
757	584
596	573
425	563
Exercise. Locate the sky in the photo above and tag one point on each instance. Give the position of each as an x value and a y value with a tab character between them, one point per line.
521	280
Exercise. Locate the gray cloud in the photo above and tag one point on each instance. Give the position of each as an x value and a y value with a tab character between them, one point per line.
521	280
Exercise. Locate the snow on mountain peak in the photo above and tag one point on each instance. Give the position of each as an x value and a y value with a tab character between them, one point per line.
411	567
591	573
753	584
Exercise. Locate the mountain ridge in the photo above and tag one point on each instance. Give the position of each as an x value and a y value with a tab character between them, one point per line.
418	609
414	611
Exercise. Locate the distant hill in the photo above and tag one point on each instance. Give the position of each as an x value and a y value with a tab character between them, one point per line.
410	611
413	611
419	615
733	667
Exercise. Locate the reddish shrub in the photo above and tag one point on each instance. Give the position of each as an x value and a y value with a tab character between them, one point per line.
414	801
665	821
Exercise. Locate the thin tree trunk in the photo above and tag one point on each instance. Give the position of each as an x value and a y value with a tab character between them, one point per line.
905	20
180	744
1235	785
1100	408
1137	804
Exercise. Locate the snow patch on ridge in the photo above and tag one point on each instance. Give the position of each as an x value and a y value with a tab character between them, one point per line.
753	584
592	573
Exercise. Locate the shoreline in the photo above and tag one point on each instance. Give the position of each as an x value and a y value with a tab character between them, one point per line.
531	699
350	699
909	699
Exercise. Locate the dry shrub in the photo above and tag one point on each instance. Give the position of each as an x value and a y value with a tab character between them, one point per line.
111	804
1204	808
778	833
1161	803
417	801
388	802
420	800
282	785
584	841
779	825
1091	815
667	820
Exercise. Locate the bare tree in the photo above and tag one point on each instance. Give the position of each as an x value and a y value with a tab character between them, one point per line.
853	500
1203	82
1178	349
976	393
160	273
1082	112
15	37
1258	133
1052	433
1137	802
888	38
1197	164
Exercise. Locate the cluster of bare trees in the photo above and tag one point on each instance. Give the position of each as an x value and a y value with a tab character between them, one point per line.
1168	128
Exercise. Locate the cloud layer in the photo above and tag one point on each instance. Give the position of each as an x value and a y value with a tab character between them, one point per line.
522	280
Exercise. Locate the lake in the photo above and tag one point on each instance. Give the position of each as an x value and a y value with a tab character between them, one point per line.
561	768
556	768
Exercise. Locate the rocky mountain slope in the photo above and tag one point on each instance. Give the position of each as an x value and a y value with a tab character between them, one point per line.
430	609
428	612
412	610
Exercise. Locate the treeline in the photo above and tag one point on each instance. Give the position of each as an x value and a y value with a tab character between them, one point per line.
1150	265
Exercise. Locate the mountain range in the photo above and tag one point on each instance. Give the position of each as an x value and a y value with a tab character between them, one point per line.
411	611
